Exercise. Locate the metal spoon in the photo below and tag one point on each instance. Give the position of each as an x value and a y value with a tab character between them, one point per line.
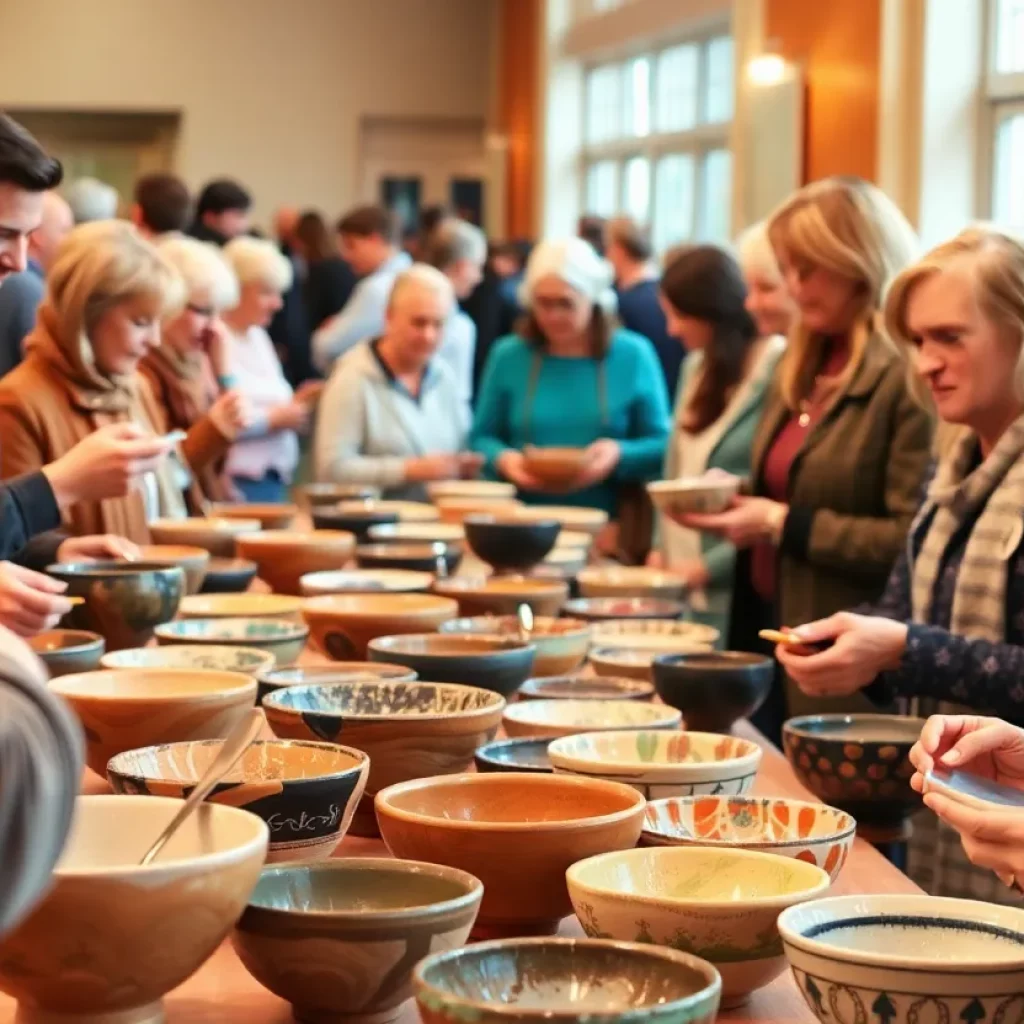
525	614
235	745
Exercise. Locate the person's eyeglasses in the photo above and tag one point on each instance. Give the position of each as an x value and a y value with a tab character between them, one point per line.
563	304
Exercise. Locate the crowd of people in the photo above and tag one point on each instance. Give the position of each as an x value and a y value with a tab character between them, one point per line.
871	400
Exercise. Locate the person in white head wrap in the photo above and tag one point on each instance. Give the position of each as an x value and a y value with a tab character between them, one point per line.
571	377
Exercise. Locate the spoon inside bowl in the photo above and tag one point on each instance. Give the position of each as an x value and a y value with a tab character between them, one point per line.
235	745
525	615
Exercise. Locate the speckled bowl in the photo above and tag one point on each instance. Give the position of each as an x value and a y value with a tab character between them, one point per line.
556	718
207	658
241	606
585	688
193	560
217	534
329	675
280	637
64	651
529	755
561	643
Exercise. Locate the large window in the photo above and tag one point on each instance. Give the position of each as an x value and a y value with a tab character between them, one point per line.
1005	95
656	135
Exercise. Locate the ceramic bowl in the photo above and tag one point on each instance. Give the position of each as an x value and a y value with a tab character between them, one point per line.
715	688
697	494
228	576
315	495
409	730
529	755
241	606
906	959
281	637
216	534
328	675
208	658
453	510
64	651
124	601
813	832
633	663
660	636
555	467
509	544
481	490
488	662
270	515
357	517
631	581
341	625
305	792
502	595
561	643
416	557
719	904
365	581
568	561
575	540
585	688
566	981
474	821
89	951
128	708
284	557
601	609
859	763
308	928
660	763
572	517
193	560
418	533
556	718
405	511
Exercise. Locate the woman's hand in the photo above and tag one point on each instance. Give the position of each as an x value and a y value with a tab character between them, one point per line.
29	601
602	458
512	466
309	392
293	415
747	522
98	548
863	646
440	466
988	747
470	464
231	414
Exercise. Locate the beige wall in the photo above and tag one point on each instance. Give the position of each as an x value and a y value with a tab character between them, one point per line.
271	91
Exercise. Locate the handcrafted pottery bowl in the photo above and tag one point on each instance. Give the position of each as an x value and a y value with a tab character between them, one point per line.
553	466
502	595
417	557
315	495
193	560
813	832
906	959
529	755
453	510
697	494
63	651
561	643
305	792
568	561
575	540
270	515
600	609
405	511
630	581
859	763
217	534
409	730
284	557
660	636
475	821
661	763
509	544
280	637
228	576
418	533
572	517
715	688
127	708
328	675
481	490
585	688
241	606
351	517
308	928
719	904
488	662
556	718
90	950
124	601
341	625
207	658
365	581
566	981
633	663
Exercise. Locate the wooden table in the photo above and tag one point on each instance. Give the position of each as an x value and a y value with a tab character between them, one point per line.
223	992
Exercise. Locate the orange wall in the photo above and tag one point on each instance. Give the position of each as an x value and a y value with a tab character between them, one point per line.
839	44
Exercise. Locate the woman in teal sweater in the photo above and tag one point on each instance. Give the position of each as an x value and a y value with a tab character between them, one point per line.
571	379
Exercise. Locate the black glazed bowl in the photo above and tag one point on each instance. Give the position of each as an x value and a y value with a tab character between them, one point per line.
598	609
419	557
358	523
713	689
509	544
522	755
228	576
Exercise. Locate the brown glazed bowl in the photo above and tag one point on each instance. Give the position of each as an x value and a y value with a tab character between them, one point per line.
555	467
561	643
194	561
270	515
517	832
283	557
64	651
328	675
502	595
216	534
228	576
341	625
315	495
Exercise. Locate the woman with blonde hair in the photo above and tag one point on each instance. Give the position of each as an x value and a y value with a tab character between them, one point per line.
842	447
107	293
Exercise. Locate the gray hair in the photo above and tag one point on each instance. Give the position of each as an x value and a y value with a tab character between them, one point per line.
423	275
455	240
208	275
91	199
755	254
255	260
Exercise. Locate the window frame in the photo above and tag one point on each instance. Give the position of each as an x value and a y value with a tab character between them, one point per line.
1001	98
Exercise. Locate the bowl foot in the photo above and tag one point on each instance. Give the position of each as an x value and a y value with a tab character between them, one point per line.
151	1013
513	929
307	1016
364	821
730	1001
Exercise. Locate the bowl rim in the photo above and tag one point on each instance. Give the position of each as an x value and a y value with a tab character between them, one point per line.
283	604
332	669
509	519
798	726
108	661
462	626
379	644
519	712
321	604
472	885
732	660
474	585
379	548
288	630
112	568
191	553
415	580
301	538
397	530
840	835
484	750
225	524
712	987
781	900
930	907
233	685
656	627
81	646
269	507
239	566
583	605
618	654
624	684
274	701
693	483
383	799
627	573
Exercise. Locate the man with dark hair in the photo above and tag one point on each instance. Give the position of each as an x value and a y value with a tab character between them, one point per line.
628	249
162	205
591	229
368	237
222	212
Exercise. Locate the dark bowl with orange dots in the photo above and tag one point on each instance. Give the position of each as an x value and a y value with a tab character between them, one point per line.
858	763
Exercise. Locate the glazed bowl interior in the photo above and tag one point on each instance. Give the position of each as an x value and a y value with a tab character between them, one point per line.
234	606
586	688
384	700
858	729
228	631
364	581
444	645
508	626
65	641
644	748
374	605
201	656
529	755
129	685
601	608
337	672
592	714
395	533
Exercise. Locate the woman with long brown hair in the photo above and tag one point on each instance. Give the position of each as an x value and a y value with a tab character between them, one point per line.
328	280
